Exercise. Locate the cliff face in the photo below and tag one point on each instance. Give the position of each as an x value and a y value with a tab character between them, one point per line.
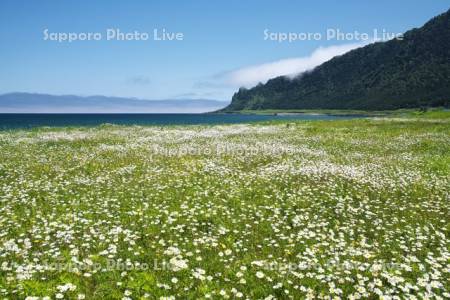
395	74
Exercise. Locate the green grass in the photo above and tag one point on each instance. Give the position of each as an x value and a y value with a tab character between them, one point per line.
310	111
288	210
432	114
380	113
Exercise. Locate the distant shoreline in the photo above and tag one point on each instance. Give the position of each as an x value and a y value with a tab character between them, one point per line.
313	112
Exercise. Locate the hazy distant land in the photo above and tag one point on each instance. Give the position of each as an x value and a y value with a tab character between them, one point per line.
43	103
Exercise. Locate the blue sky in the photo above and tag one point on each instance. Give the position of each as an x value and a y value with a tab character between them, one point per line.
221	40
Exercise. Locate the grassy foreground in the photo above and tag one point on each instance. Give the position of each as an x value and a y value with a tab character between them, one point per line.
346	209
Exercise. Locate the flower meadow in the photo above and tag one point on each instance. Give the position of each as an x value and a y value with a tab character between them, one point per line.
353	209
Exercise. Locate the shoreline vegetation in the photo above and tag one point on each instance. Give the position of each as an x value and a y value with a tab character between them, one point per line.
440	114
342	112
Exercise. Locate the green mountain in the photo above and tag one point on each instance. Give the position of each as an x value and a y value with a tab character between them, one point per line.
411	72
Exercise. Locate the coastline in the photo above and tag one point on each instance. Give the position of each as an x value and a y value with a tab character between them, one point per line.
335	112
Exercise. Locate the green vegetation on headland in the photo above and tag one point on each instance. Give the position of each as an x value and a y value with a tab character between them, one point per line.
408	73
305	111
441	112
343	209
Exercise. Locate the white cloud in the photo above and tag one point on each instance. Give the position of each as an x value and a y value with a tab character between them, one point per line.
252	75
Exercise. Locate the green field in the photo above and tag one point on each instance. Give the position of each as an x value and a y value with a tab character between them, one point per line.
344	112
309	209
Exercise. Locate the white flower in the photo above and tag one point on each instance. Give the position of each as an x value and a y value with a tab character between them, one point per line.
172	251
178	264
258	263
66	287
199	273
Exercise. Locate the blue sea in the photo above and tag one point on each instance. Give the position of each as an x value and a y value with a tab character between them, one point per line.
11	121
